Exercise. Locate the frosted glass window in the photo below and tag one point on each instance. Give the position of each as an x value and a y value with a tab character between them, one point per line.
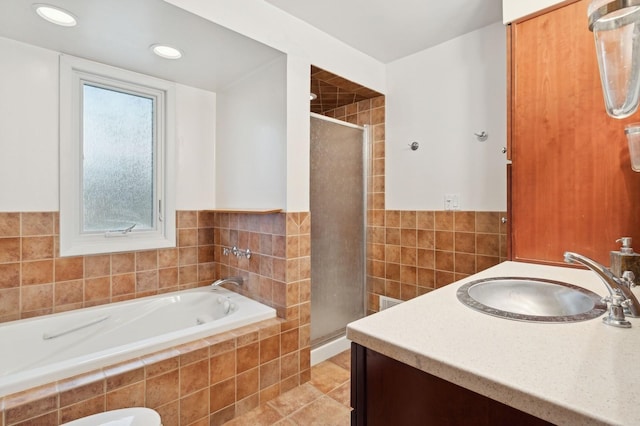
117	159
117	166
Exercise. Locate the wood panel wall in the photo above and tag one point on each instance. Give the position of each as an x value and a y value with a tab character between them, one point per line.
572	185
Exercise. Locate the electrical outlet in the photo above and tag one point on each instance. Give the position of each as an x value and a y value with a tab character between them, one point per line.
451	202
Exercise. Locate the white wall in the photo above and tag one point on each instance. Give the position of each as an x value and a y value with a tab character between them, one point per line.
439	97
251	140
195	148
28	128
304	45
513	10
29	134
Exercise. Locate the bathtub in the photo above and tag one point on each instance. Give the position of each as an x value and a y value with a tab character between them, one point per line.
52	347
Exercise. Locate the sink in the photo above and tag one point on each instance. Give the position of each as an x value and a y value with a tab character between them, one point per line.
531	299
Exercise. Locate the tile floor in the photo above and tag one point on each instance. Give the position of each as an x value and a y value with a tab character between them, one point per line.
323	401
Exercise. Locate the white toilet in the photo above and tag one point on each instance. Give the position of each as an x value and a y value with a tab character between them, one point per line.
135	416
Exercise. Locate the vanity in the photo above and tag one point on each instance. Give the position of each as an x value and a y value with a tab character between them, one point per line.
433	360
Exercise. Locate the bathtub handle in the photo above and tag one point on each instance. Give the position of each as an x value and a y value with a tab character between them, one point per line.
47	336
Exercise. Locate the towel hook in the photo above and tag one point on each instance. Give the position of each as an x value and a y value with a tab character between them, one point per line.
482	136
414	146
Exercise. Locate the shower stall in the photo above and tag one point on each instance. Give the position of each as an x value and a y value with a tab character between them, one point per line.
339	165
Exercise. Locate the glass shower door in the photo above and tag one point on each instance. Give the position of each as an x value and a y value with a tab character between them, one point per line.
338	208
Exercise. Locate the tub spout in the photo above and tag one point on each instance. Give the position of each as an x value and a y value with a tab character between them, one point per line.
231	280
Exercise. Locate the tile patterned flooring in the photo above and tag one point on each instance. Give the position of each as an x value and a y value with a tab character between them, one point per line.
323	401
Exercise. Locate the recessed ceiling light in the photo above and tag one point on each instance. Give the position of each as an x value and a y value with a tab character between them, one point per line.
312	96
55	15
166	52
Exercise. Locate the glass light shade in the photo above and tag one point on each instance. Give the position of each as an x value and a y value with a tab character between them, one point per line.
166	52
616	29
633	136
55	15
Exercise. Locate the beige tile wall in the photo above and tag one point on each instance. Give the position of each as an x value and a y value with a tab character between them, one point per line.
35	280
414	252
245	367
278	273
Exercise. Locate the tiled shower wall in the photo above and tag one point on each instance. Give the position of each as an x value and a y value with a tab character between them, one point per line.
412	252
35	280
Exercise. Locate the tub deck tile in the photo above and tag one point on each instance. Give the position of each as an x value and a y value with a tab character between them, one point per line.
162	389
246	357
160	362
194	407
222	395
128	396
50	418
35	408
222	367
81	388
124	374
221	345
270	328
246	335
194	377
82	409
169	413
193	351
30	395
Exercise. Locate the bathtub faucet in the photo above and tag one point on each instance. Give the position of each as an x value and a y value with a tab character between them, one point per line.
232	280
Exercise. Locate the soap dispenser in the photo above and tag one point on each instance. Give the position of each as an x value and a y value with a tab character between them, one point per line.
625	260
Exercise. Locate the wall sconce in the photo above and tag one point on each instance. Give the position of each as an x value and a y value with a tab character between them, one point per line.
616	30
632	131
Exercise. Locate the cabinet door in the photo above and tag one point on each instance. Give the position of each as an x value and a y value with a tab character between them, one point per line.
387	392
572	185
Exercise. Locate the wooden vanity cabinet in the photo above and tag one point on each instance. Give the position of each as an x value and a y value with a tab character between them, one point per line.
571	184
388	392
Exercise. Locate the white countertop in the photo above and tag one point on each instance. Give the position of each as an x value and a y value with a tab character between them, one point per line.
580	373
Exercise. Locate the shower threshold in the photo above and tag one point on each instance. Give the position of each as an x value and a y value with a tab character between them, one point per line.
329	349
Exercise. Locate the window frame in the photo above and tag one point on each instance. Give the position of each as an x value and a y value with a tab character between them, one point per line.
74	73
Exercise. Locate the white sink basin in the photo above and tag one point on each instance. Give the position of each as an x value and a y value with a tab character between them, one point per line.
531	299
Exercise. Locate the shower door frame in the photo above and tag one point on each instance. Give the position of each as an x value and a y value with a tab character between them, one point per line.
366	170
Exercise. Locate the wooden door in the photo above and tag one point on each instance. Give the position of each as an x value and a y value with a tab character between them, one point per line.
572	185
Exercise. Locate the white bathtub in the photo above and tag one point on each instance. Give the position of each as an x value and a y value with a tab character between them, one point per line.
52	347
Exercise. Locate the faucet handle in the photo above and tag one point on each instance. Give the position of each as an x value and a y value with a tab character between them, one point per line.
629	278
616	303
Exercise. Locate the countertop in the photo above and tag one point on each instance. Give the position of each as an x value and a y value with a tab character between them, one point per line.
584	373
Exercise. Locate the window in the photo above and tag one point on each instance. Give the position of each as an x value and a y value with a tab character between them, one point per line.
116	156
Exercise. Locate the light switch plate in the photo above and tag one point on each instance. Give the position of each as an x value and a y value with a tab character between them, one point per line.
451	202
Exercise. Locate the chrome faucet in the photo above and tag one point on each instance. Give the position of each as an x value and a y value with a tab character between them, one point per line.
621	299
231	280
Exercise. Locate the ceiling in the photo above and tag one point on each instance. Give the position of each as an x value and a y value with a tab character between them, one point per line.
392	29
119	33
